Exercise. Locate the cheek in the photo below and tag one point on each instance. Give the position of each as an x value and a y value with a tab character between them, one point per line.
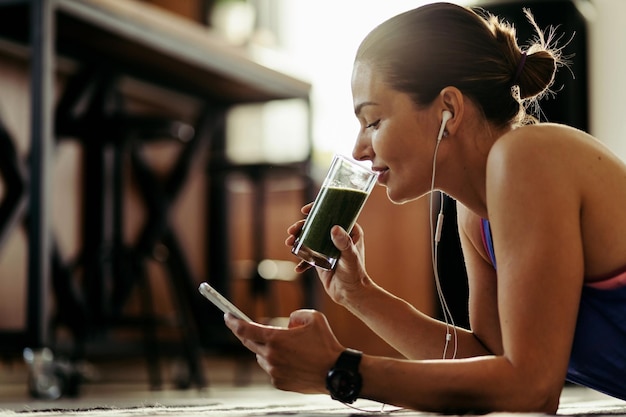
393	146
385	143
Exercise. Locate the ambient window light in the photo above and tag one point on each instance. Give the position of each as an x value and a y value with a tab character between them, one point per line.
274	132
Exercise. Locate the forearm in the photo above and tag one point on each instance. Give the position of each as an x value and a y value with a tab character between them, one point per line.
469	385
411	332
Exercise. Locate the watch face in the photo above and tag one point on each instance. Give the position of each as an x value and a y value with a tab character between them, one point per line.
344	385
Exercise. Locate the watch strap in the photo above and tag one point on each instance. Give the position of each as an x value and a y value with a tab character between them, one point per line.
349	360
344	381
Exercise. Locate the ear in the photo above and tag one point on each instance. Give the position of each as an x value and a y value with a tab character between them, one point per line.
452	100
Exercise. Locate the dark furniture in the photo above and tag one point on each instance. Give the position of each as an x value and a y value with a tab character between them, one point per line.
107	40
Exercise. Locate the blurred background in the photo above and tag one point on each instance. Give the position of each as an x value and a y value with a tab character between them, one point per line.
149	145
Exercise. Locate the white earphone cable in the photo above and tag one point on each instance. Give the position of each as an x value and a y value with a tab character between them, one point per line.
436	236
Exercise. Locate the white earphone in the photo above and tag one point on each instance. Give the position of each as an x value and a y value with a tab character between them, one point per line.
446	115
436	233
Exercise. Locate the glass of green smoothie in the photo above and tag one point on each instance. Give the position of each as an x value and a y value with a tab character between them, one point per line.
339	202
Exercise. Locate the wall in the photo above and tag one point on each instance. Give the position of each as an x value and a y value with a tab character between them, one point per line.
607	66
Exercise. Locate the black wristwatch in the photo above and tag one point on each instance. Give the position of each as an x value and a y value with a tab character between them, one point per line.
344	381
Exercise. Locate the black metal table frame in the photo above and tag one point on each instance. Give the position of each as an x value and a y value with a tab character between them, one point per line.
245	80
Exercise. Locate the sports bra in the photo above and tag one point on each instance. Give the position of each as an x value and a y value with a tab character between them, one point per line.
613	280
598	356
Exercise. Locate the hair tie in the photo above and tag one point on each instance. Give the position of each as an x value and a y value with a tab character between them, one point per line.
520	67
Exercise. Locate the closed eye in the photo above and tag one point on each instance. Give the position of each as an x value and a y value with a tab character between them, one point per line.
373	124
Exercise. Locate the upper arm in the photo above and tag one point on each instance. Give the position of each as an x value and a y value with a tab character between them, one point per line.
534	210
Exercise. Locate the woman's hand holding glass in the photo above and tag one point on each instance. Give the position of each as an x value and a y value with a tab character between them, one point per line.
348	278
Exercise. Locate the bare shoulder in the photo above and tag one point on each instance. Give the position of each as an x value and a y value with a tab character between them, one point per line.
544	155
567	186
541	142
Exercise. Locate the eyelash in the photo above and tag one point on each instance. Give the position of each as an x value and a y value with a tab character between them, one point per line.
373	124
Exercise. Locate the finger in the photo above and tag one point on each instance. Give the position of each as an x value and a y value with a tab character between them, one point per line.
293	231
341	239
307	208
291	239
302	266
253	332
295	228
260	359
356	233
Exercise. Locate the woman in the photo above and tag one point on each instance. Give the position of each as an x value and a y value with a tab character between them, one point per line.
440	94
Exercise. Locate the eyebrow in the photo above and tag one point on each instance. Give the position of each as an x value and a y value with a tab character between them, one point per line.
359	107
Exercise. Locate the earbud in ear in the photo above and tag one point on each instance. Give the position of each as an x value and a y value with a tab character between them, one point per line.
445	116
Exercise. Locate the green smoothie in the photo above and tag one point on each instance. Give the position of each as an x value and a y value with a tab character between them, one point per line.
333	206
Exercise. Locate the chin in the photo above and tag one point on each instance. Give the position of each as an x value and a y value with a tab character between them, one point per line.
398	198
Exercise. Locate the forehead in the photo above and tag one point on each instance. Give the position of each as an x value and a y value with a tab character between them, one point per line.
369	89
367	85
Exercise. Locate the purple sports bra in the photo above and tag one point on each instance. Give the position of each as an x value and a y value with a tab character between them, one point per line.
598	356
616	279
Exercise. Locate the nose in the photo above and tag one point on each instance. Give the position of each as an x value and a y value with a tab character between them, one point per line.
362	150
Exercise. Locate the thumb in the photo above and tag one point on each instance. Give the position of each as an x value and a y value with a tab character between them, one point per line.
341	239
300	318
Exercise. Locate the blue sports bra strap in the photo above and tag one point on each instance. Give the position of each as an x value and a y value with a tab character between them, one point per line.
488	240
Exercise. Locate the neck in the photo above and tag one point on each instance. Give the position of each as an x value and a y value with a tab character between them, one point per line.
465	166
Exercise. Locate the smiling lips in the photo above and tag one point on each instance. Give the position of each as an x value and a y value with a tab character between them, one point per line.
381	174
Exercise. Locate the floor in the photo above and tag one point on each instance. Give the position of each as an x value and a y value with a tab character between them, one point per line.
236	387
125	383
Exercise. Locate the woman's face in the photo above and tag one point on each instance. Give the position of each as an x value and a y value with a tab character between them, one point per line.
394	134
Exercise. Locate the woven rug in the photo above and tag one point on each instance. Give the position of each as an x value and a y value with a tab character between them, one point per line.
250	403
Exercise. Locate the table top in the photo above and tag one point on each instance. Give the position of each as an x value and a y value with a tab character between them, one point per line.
154	44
